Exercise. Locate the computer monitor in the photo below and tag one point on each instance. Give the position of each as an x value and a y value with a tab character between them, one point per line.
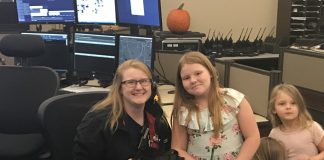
96	11
45	11
136	47
139	12
94	56
56	55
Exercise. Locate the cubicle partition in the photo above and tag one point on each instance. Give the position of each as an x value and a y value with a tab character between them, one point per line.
222	67
304	69
255	83
254	76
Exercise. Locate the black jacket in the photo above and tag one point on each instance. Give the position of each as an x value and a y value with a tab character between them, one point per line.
95	140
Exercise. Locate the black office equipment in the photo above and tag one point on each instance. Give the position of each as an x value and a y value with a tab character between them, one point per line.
8	13
23	89
45	11
56	54
189	41
136	47
95	56
60	116
96	12
9	19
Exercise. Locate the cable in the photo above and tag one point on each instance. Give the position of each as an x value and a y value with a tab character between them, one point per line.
163	73
159	61
165	80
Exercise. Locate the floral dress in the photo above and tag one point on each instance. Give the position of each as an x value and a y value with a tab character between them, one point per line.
202	144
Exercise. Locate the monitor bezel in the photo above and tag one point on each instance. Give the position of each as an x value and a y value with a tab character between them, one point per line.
10	7
128	24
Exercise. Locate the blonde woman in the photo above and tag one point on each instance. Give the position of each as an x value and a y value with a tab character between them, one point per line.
124	125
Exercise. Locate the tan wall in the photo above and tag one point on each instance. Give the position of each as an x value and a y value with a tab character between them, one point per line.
223	15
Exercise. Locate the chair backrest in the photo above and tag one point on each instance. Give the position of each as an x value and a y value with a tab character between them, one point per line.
22	88
21	45
60	116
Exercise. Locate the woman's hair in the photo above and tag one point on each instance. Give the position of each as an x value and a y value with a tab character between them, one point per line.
114	98
303	116
270	149
183	98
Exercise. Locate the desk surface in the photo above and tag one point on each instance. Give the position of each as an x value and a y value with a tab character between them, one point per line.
260	56
77	89
166	94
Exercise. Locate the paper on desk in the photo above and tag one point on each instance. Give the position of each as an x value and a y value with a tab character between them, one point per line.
164	96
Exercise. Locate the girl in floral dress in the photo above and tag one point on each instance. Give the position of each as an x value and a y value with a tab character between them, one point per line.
209	122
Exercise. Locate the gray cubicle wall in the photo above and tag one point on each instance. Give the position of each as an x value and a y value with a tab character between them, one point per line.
255	83
304	69
222	67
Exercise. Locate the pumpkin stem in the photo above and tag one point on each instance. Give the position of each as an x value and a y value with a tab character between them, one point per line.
181	6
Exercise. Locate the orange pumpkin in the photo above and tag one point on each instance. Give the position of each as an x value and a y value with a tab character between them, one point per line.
178	20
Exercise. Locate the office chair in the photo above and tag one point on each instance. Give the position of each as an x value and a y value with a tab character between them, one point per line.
60	116
22	90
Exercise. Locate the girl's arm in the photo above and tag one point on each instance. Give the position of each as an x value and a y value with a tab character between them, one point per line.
249	130
320	147
180	140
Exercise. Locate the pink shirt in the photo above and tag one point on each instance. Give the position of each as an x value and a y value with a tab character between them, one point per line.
302	142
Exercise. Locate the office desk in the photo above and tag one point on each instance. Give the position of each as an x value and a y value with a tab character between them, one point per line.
260	56
77	89
91	86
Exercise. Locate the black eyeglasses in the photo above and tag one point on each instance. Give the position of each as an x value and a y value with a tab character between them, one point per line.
132	82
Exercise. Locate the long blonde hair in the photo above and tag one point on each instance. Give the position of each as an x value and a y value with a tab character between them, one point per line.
184	99
270	149
114	98
304	118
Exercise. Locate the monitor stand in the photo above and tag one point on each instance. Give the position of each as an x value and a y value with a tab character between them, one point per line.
135	30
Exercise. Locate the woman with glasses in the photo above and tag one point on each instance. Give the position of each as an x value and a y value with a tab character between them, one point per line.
127	124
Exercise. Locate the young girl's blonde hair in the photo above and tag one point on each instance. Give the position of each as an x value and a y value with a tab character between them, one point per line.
270	149
304	118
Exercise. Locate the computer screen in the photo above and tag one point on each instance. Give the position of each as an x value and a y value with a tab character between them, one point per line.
96	11
56	55
94	56
45	11
136	47
139	12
